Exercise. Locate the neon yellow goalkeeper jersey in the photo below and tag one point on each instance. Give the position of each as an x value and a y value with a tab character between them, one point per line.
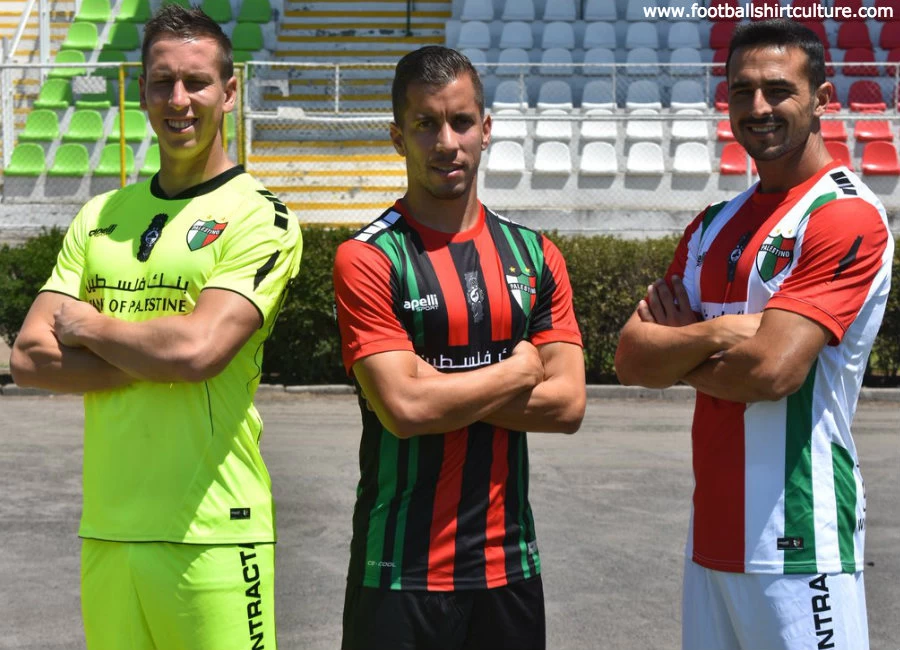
179	462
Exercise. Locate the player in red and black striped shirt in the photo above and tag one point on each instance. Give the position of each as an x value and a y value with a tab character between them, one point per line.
458	326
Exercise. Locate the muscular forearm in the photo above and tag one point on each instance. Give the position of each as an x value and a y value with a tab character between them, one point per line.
740	375
63	369
553	406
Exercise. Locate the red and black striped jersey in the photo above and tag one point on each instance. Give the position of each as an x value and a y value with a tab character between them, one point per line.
450	511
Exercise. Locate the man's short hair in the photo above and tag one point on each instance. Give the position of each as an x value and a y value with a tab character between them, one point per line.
433	65
782	33
175	21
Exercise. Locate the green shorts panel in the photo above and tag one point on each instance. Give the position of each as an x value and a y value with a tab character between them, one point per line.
163	596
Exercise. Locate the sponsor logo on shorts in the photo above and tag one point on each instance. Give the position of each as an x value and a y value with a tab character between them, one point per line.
240	513
254	605
821	610
790	543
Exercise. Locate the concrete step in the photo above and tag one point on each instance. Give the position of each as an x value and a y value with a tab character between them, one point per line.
360	45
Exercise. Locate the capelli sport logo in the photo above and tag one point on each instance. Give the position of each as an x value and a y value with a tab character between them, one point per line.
428	303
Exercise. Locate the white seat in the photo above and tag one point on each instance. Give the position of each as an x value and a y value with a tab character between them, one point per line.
517	34
683	34
641	35
477	10
560	10
510	94
642	61
600	35
558	34
555	95
557	129
598	93
505	127
553	62
689	56
687	93
599	62
553	158
637	10
645	158
599	159
474	34
477	57
514	62
517	10
604	10
645	130
506	157
689	129
599	129
692	158
642	94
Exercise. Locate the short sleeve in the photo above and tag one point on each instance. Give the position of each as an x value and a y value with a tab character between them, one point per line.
260	255
553	319
842	252
67	276
364	297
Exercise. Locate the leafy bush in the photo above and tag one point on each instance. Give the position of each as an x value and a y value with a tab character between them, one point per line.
608	277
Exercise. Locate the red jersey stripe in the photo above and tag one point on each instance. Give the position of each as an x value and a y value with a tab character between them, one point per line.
495	285
454	299
442	545
495	530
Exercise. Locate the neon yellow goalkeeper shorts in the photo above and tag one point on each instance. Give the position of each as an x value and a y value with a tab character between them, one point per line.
162	596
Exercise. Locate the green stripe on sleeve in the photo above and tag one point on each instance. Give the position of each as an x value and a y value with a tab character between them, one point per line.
845	500
403	512
799	520
387	486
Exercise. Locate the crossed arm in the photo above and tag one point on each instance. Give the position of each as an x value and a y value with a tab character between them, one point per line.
742	358
65	345
535	389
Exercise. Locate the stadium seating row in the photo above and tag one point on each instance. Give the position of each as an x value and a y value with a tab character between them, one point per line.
139	11
73	160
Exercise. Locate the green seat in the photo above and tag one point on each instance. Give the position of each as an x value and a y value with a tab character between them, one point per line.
132	94
135	126
255	11
151	161
71	160
110	55
27	160
42	125
111	161
86	126
81	36
241	56
55	94
101	100
94	11
230	129
184	3
134	11
124	37
67	56
218	10
247	36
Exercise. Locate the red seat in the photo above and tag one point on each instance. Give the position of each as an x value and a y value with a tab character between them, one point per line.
892	63
723	131
722	3
872	131
818	29
890	36
720	57
829	69
853	7
880	159
859	55
853	35
840	151
734	160
720	35
721	97
865	96
887	16
833	130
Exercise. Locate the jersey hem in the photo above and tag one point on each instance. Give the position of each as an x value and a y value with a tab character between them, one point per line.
781	568
262	539
462	586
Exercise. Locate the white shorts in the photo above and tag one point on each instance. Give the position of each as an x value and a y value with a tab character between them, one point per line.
756	611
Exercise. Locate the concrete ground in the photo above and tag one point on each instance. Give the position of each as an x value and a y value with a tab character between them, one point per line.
611	506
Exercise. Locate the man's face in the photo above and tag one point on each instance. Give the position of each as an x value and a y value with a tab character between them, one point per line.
770	102
442	137
184	95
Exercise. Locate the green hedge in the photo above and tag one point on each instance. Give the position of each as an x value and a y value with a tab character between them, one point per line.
608	275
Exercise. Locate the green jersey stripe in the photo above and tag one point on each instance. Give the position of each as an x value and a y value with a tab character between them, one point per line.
711	213
412	463
523	513
845	500
392	245
387	485
798	490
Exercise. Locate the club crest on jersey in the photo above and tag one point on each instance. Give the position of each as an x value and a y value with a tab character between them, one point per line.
522	286
203	233
776	254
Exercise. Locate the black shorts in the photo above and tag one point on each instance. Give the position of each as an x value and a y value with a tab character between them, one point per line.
504	618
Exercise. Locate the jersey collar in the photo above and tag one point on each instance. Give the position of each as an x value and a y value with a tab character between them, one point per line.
205	187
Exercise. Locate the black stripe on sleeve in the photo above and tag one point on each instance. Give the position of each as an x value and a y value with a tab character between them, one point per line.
265	269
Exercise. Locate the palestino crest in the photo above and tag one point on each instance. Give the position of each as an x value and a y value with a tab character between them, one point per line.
204	233
522	288
776	253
